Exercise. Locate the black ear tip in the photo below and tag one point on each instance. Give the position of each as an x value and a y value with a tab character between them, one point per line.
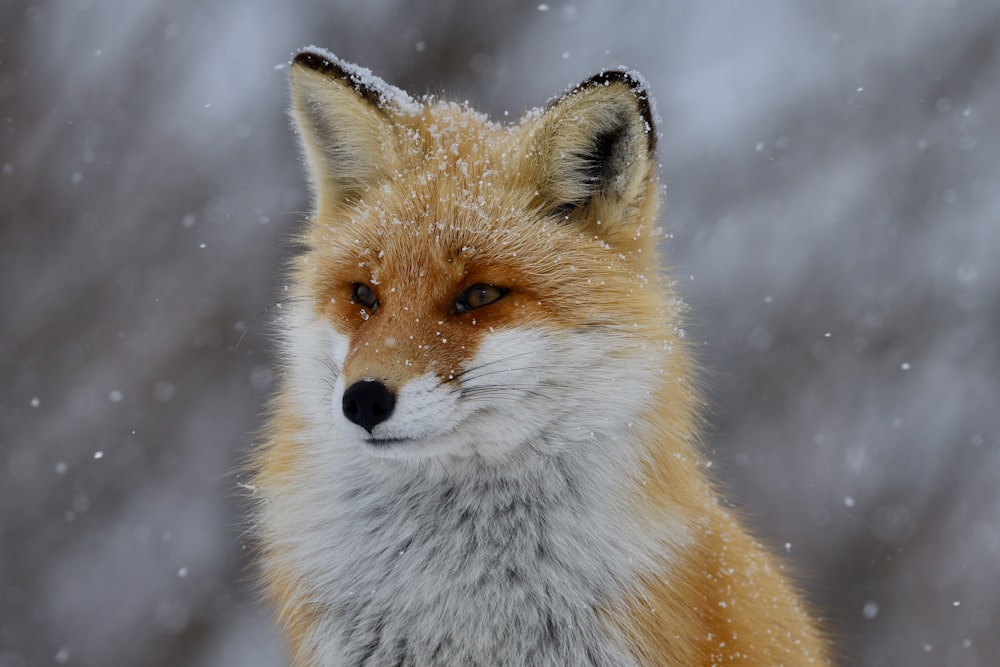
321	62
637	85
307	58
375	91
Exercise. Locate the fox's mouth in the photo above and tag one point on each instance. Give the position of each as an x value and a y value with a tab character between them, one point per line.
417	446
379	443
394	448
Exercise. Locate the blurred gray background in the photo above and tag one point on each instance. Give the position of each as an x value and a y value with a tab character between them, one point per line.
833	178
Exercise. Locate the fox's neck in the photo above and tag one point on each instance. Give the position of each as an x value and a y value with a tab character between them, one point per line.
411	557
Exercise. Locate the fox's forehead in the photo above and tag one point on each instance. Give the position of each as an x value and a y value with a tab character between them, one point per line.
459	194
430	231
448	133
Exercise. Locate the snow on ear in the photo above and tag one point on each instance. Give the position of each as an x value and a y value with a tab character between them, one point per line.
344	117
596	149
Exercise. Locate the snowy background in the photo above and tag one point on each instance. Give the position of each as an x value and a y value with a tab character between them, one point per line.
833	172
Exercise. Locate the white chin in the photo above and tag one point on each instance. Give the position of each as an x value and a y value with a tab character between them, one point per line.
396	448
449	445
477	435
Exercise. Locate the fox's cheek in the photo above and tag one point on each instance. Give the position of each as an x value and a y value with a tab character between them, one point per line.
340	347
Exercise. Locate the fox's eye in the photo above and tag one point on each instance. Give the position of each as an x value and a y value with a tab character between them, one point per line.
478	296
365	295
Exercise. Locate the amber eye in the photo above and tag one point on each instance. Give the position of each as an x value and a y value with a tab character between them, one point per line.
478	296
365	296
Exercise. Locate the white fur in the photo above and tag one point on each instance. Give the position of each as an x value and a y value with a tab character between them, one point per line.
494	531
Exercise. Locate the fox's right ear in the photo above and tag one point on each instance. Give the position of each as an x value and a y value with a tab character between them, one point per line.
344	117
594	149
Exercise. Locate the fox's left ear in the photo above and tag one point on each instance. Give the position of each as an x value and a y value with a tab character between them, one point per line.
595	149
344	116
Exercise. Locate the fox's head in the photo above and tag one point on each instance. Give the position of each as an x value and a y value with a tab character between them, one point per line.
472	288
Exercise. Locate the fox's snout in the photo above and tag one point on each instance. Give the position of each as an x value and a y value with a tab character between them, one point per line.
368	403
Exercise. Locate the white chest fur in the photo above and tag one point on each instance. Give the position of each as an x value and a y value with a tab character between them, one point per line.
408	565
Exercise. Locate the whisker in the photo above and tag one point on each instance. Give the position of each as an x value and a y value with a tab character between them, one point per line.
445	468
277	304
504	391
490	363
330	365
517	369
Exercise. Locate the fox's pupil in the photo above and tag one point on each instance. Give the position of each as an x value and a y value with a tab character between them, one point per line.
364	295
478	296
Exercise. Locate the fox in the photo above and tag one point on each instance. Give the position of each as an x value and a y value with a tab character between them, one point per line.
485	443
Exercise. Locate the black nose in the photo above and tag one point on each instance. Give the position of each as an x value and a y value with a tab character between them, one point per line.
368	403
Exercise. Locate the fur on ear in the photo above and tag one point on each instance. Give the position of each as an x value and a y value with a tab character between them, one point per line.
343	114
596	148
